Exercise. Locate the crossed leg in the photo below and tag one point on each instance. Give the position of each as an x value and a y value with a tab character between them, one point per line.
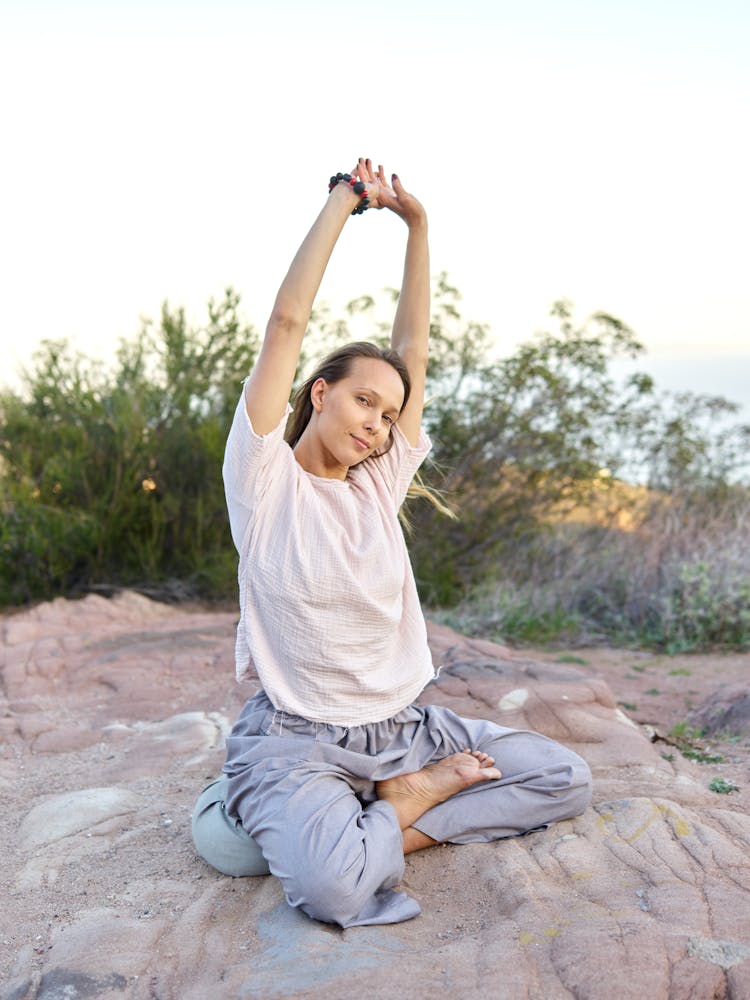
541	782
337	841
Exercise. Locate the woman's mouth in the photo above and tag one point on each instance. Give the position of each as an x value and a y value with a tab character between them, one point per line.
361	443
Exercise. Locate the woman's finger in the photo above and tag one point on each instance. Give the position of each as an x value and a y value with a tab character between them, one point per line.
401	193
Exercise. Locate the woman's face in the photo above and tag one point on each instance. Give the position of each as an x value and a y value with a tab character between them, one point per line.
355	415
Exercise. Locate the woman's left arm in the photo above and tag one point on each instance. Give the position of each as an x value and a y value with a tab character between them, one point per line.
411	326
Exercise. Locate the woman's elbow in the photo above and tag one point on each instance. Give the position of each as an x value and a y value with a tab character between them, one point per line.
414	356
286	321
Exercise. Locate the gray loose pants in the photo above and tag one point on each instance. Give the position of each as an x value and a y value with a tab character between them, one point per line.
301	795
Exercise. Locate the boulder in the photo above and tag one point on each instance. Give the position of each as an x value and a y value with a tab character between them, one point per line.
726	712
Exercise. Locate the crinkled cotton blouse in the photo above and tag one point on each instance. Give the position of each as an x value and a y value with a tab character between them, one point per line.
329	613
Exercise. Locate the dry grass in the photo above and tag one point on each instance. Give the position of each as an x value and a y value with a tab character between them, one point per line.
635	566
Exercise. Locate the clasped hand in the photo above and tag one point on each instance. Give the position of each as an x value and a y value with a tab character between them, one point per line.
385	195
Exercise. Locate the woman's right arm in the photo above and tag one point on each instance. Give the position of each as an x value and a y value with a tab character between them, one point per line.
270	383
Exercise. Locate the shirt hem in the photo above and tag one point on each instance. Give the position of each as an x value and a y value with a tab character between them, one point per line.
348	723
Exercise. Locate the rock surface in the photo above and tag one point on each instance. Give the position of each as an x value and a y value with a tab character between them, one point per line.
113	717
726	711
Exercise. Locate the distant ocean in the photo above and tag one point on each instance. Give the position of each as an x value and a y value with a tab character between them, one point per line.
726	375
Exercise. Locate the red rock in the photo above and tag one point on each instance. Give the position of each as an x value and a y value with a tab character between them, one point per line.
645	895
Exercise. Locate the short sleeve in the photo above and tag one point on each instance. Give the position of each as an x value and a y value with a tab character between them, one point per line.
249	461
397	467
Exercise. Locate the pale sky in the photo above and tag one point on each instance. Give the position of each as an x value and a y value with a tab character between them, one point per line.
590	149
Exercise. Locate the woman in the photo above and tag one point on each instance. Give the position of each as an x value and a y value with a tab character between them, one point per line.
332	774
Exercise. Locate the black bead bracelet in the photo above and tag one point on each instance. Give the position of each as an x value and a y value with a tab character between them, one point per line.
358	187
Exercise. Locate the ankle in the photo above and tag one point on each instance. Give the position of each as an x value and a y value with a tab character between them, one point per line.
415	840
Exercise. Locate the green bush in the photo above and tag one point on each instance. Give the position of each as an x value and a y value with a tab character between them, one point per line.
703	609
113	477
45	550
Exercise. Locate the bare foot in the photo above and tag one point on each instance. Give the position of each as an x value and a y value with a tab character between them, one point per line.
413	794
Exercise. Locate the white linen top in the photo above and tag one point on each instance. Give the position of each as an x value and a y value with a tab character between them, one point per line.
329	612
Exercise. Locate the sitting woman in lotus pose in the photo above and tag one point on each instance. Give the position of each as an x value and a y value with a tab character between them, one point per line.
332	773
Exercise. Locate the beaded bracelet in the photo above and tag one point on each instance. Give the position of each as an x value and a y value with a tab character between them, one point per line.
358	187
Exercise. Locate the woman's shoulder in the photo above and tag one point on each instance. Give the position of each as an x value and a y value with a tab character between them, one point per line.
389	475
401	457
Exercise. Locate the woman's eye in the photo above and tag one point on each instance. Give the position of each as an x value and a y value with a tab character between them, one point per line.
363	399
387	418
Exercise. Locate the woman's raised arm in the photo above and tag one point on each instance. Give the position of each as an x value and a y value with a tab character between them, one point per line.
411	326
270	383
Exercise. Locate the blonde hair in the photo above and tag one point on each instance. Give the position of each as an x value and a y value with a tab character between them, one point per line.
418	489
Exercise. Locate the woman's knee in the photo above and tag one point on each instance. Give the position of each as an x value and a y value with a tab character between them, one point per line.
581	784
575	785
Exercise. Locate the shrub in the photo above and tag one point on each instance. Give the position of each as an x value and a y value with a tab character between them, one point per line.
115	476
